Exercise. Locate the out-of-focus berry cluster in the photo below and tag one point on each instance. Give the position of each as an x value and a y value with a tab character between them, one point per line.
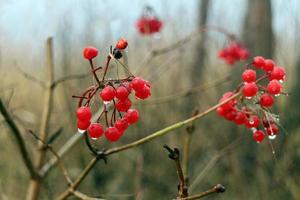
233	52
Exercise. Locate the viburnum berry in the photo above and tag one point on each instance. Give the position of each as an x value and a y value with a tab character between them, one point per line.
122	93
108	93
84	113
95	130
269	65
258	62
144	93
274	87
240	118
228	106
231	114
112	134
266	100
90	52
234	52
122	44
123	105
272	129
250	89
83	125
132	116
258	136
278	73
249	75
252	122
121	124
137	83
127	85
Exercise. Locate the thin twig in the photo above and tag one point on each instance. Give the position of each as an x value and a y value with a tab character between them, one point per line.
32	78
60	163
20	141
216	189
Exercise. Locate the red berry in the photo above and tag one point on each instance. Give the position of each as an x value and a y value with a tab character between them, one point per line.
143	93
108	93
137	83
231	114
266	100
267	122
123	106
274	87
127	85
112	134
243	54
228	106
221	111
122	93
84	113
240	118
122	44
250	89
90	53
272	129
252	122
258	62
278	73
83	125
121	124
249	75
258	136
95	130
132	116
269	65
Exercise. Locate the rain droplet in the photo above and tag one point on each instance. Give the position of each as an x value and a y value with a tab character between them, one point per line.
106	102
281	81
253	129
248	98
277	95
272	137
251	122
94	138
81	131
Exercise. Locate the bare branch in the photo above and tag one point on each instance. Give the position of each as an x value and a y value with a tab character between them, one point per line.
216	189
32	78
20	141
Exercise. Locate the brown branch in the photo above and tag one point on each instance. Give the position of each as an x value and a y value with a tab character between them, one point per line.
60	163
174	154
216	189
20	141
67	78
32	78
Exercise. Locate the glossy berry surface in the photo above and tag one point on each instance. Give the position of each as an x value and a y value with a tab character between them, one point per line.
132	116
250	89
278	73
258	136
122	93
274	87
95	130
259	62
121	124
266	100
108	93
249	76
143	93
272	129
83	125
122	44
252	122
123	105
137	83
112	134
269	65
90	53
84	113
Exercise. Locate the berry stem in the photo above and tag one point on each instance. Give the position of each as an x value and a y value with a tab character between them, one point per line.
94	71
106	67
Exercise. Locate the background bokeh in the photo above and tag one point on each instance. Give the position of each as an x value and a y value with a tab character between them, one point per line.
220	151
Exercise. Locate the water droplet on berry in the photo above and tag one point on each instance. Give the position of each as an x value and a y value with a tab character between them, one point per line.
106	102
248	98
251	122
81	131
94	138
253	129
281	81
272	137
277	95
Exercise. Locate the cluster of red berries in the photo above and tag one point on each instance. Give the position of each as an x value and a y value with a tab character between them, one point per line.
148	23
233	52
255	112
113	92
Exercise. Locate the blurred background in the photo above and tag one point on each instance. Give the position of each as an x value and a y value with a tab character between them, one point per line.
188	77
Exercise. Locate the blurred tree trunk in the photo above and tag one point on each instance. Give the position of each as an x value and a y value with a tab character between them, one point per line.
200	49
258	33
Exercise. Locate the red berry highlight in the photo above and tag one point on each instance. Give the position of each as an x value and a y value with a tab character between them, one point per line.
95	130
84	113
90	53
108	93
274	87
83	125
278	73
121	124
249	76
123	106
122	44
112	134
122	93
250	89
266	100
258	62
258	136
132	116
